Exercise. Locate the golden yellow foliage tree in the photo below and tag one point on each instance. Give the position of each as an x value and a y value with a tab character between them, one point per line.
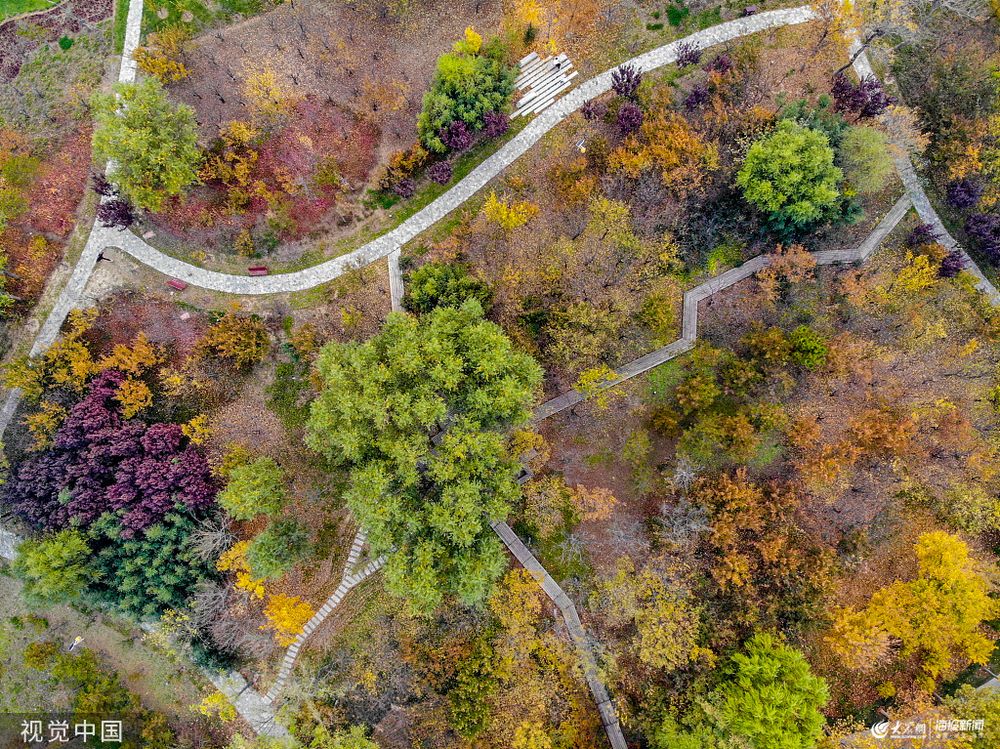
234	561
936	618
136	359
267	95
594	503
240	339
286	617
595	383
44	422
67	362
508	215
666	141
161	55
133	395
218	705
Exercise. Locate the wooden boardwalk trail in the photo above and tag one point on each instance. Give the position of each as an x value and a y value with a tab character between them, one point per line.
693	297
609	718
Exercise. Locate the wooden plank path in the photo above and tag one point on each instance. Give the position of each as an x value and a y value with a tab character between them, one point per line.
351	578
609	718
692	298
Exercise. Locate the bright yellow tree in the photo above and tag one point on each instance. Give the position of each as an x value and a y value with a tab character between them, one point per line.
286	617
936	618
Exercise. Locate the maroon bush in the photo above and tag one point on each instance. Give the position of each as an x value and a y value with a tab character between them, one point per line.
495	124
625	81
922	234
687	54
720	64
629	118
866	98
697	98
984	231
594	110
116	213
952	264
964	193
440	172
102	185
405	188
456	136
100	462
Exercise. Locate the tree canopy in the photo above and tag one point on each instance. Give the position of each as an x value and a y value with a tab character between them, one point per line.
255	488
768	697
443	285
53	569
791	176
152	142
429	504
468	83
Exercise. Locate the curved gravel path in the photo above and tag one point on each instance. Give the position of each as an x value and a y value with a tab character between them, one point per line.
461	192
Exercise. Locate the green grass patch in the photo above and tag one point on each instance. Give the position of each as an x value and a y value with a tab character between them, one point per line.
676	14
121	18
285	395
654	27
10	8
708	18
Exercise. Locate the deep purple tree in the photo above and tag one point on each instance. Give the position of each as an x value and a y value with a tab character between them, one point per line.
116	213
625	81
964	193
922	234
697	98
405	188
101	462
687	54
629	118
866	98
456	135
495	124
984	231
102	185
440	172
594	110
952	264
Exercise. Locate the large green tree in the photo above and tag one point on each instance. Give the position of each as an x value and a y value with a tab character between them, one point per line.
254	488
54	568
152	142
790	175
767	698
427	500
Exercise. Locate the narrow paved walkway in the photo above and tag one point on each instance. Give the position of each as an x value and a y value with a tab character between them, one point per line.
461	192
692	297
395	281
351	578
576	632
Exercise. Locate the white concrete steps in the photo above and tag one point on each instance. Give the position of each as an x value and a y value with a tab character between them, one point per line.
542	80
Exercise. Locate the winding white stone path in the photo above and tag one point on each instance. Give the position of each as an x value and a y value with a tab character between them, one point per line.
461	192
258	709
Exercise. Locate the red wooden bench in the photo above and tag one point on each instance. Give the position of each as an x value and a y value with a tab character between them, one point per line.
257	270
176	283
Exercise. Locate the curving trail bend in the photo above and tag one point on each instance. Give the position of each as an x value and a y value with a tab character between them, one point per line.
457	195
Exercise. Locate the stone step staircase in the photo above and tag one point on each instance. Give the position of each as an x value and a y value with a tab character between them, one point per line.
542	80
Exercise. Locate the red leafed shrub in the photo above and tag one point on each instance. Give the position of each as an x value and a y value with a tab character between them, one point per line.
60	186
